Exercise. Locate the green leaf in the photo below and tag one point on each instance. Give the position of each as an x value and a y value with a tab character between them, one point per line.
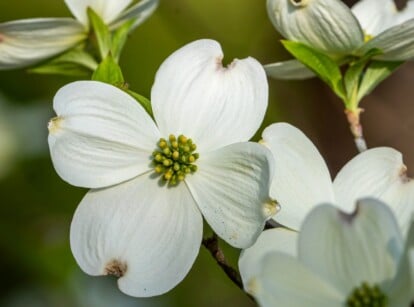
143	101
74	62
109	71
322	65
376	72
119	39
102	33
64	69
353	78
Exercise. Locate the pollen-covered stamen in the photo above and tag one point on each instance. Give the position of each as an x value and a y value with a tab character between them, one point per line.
174	158
367	296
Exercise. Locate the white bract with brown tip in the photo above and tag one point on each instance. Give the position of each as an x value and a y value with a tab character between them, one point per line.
152	181
338	259
302	180
331	27
29	41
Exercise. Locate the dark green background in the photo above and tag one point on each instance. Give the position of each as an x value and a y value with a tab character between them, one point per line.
36	206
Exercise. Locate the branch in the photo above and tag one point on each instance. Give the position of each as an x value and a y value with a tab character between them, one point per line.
353	117
212	244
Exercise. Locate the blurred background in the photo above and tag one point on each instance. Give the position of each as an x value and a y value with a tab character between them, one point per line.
36	206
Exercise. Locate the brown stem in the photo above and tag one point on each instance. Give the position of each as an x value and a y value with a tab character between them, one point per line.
212	244
355	126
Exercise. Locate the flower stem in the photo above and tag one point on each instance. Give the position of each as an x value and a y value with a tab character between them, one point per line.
212	244
353	117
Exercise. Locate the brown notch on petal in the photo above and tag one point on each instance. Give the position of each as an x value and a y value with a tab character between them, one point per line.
299	3
404	174
2	38
349	217
116	268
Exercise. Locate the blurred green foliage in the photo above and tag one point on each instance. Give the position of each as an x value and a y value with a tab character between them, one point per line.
36	205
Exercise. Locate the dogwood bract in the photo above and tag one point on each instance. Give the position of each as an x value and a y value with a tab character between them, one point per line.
153	181
333	28
337	259
29	41
302	180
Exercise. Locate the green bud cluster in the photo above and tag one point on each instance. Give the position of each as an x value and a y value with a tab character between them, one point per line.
174	158
367	296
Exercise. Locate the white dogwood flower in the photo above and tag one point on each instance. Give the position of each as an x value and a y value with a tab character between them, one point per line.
28	41
153	181
333	28
337	259
302	180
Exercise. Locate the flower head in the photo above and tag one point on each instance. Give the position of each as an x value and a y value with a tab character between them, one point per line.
28	41
153	181
338	31
302	180
337	259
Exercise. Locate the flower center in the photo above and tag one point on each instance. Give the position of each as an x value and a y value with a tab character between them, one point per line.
174	158
367	37
367	296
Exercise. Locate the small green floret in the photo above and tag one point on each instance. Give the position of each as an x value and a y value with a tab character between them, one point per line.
174	158
367	296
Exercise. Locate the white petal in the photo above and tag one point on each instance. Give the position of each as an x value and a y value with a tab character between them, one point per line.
348	249
272	240
301	179
406	14
108	10
215	106
29	41
292	69
378	173
101	136
397	43
153	232
231	188
140	12
325	25
286	282
401	292
375	16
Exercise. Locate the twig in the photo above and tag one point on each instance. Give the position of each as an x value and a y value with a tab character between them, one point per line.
212	244
353	117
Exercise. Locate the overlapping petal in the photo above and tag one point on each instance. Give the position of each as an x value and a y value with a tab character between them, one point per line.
402	289
29	41
302	179
375	16
291	69
284	281
147	236
101	136
272	240
325	25
231	188
140	12
396	43
107	10
194	94
348	249
406	13
379	173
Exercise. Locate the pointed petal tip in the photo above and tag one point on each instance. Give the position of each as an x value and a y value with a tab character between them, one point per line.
116	268
54	124
253	286
270	208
